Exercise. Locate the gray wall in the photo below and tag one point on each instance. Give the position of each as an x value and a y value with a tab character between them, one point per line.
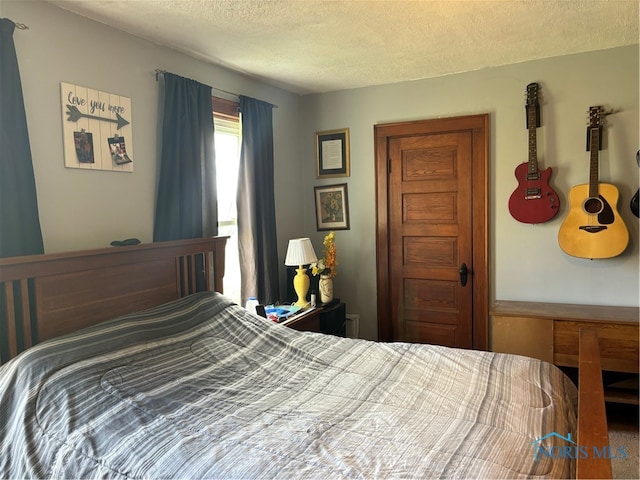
87	209
526	262
81	209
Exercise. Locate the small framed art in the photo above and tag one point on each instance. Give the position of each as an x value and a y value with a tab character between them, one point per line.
332	153
332	207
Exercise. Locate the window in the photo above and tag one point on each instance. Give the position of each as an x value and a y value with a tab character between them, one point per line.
227	143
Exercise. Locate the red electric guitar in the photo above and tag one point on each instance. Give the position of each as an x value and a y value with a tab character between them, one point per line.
533	201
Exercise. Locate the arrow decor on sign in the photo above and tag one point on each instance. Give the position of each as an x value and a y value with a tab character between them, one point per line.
92	109
74	115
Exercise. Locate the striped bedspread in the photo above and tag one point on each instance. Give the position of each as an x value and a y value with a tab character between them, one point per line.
200	388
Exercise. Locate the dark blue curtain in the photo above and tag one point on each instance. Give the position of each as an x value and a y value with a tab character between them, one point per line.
186	205
20	232
257	240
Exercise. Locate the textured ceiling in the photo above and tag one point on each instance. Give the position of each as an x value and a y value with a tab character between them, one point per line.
314	46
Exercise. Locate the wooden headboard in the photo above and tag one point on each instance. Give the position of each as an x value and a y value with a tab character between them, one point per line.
45	296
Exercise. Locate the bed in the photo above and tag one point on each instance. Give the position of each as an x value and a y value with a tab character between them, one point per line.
128	363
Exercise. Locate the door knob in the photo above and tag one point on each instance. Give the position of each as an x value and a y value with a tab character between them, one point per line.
464	273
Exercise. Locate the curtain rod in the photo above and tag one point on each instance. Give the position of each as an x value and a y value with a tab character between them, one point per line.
159	71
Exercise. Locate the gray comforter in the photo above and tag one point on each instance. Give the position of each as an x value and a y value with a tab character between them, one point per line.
200	388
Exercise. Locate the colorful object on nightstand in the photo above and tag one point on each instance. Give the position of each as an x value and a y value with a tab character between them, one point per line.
325	286
326	268
299	253
327	264
280	313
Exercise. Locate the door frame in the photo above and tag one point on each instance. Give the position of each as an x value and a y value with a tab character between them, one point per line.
478	125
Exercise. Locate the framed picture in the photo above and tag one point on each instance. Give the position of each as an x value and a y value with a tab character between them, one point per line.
332	153
332	207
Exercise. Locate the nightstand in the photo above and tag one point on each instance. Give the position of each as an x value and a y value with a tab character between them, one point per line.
333	318
308	321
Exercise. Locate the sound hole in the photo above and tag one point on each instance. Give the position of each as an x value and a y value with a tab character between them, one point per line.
593	205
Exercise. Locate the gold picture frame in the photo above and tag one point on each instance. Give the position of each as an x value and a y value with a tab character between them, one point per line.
332	153
332	207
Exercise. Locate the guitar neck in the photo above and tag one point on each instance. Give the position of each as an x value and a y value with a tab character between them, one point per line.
594	147
532	171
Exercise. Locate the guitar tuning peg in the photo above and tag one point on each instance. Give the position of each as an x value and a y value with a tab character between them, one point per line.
610	112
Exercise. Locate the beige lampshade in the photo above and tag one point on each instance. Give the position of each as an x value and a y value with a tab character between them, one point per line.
300	252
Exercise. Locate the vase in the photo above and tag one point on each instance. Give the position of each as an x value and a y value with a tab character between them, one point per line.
325	285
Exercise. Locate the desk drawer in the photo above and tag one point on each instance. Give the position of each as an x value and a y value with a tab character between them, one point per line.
618	344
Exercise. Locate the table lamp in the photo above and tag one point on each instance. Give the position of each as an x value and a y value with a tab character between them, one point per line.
300	252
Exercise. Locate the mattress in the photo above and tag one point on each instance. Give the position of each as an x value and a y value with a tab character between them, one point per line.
201	388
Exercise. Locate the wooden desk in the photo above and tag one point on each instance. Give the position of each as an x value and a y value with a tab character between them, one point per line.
550	332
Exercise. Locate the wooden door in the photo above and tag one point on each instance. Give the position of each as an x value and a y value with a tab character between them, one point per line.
431	199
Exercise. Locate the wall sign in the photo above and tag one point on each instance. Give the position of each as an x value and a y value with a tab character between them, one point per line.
96	128
332	153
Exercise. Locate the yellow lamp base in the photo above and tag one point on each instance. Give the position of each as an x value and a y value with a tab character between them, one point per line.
301	286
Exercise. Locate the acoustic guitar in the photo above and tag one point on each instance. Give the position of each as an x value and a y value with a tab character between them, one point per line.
533	201
593	227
